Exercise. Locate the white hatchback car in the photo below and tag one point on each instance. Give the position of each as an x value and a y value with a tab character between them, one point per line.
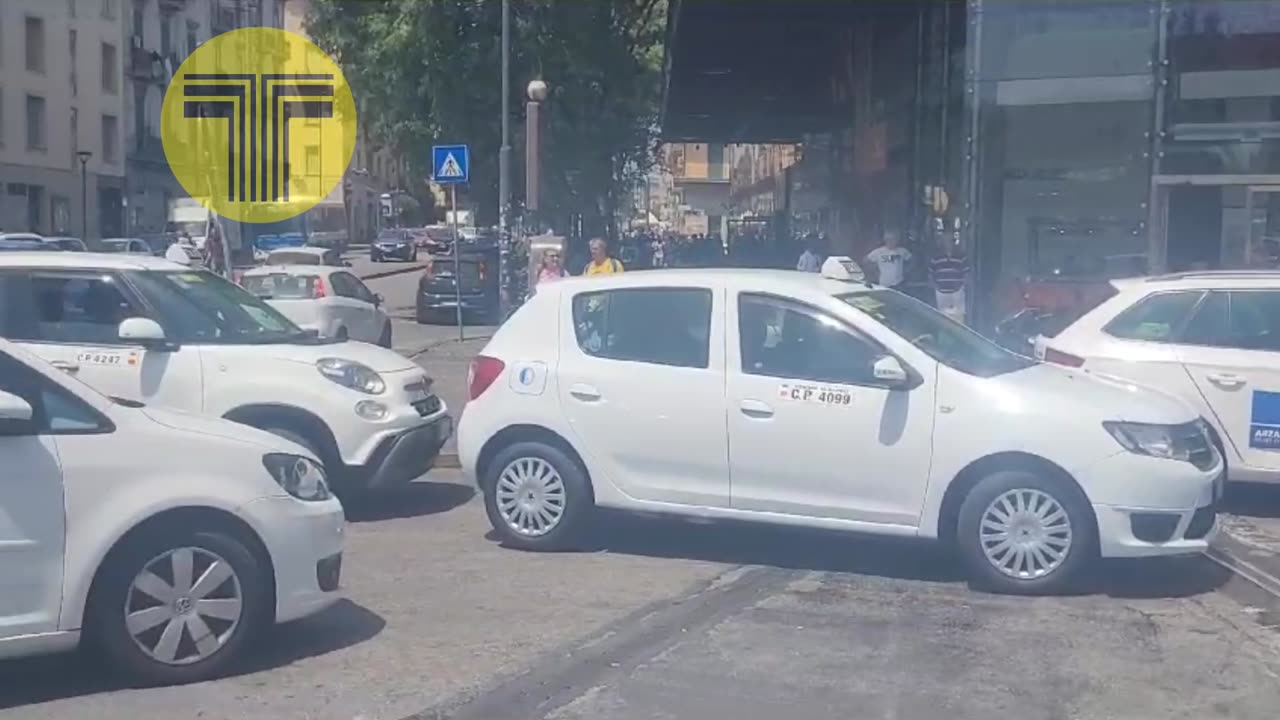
330	300
151	330
168	541
801	399
1212	338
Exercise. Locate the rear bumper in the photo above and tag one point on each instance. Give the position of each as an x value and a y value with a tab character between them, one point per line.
403	253
400	458
449	301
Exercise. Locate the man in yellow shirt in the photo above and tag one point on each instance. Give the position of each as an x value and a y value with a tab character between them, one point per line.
601	263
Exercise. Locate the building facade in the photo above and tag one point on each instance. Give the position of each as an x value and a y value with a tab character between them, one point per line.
62	116
1058	139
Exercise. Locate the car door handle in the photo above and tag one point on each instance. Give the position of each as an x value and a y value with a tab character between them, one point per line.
755	409
66	366
1226	380
585	393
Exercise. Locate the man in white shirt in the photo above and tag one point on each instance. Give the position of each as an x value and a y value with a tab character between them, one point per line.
890	260
178	250
810	260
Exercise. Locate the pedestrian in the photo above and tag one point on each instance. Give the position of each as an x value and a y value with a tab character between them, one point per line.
890	260
550	269
948	272
811	259
181	250
214	258
601	263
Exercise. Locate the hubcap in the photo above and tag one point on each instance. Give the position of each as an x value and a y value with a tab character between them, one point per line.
1025	534
184	606
530	496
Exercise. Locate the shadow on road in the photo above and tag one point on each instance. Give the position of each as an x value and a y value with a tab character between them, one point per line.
416	499
738	543
1252	500
44	679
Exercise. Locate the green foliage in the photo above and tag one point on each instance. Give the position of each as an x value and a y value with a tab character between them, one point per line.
428	71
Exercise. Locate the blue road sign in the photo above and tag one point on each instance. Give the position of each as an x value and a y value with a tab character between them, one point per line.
449	164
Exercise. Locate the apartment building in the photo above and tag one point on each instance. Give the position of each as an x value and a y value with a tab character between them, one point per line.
161	34
700	174
62	160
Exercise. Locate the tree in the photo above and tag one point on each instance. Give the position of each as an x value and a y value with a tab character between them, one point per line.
427	71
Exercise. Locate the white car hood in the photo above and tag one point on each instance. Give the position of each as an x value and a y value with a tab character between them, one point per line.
1067	390
222	429
377	358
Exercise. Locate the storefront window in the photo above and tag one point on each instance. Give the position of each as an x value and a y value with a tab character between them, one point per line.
1066	92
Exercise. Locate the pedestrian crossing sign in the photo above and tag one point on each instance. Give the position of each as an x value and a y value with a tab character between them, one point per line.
449	164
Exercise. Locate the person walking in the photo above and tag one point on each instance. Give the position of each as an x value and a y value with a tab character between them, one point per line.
890	260
949	272
601	263
181	250
811	259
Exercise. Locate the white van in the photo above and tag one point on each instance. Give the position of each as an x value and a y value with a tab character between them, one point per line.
154	331
167	541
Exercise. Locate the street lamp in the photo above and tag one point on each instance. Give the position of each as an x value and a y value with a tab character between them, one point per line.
537	92
83	156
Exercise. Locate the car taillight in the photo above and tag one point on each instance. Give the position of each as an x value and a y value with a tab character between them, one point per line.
319	290
1058	357
483	371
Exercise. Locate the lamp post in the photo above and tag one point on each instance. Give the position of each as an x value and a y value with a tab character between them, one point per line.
537	93
504	167
83	156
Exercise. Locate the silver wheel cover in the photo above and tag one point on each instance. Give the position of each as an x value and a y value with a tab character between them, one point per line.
1026	534
530	496
184	606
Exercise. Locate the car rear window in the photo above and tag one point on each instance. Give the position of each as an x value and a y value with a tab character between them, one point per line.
281	286
294	258
1155	318
660	326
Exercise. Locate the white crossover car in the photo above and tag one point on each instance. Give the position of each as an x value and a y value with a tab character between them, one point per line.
165	540
165	334
330	300
1212	338
817	400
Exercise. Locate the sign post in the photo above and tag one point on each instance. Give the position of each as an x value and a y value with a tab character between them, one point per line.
450	165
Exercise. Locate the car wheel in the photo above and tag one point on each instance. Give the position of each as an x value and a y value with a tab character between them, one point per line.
537	497
375	258
385	340
179	606
1026	533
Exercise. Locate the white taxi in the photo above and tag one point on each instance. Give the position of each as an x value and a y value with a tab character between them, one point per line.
1212	338
165	334
165	540
822	401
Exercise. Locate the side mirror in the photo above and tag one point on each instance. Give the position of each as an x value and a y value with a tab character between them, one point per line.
15	416
378	299
346	263
889	371
142	331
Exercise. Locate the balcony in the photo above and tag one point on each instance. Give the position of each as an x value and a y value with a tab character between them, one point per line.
146	65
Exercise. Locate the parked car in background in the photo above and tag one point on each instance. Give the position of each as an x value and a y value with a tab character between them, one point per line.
170	542
149	330
439	239
393	244
306	256
331	301
1212	338
127	246
476	277
24	242
68	244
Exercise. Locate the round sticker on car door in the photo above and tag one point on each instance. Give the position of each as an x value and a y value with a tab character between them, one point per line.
528	377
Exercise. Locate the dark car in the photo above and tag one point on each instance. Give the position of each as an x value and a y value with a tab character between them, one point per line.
397	244
438	288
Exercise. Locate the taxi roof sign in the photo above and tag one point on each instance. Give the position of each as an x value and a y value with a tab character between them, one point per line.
842	267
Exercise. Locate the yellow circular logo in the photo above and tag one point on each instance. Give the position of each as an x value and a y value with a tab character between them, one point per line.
258	125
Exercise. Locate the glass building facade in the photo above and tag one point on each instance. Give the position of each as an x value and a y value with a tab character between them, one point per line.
1108	138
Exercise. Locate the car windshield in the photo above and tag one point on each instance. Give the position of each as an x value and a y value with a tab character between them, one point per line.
392	235
940	337
200	307
115	246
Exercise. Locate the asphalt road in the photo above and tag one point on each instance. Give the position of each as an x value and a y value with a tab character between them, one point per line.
668	619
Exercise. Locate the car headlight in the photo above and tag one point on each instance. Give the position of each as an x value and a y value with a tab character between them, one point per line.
1187	442
353	375
300	477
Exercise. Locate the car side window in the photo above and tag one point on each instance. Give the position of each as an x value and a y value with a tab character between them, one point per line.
1155	318
54	410
660	326
362	291
1254	321
1208	325
342	285
80	308
783	339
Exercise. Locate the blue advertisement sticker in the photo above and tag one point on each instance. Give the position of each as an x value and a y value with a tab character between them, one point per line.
1264	422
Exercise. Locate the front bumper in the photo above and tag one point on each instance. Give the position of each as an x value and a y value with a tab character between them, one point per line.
305	541
405	456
